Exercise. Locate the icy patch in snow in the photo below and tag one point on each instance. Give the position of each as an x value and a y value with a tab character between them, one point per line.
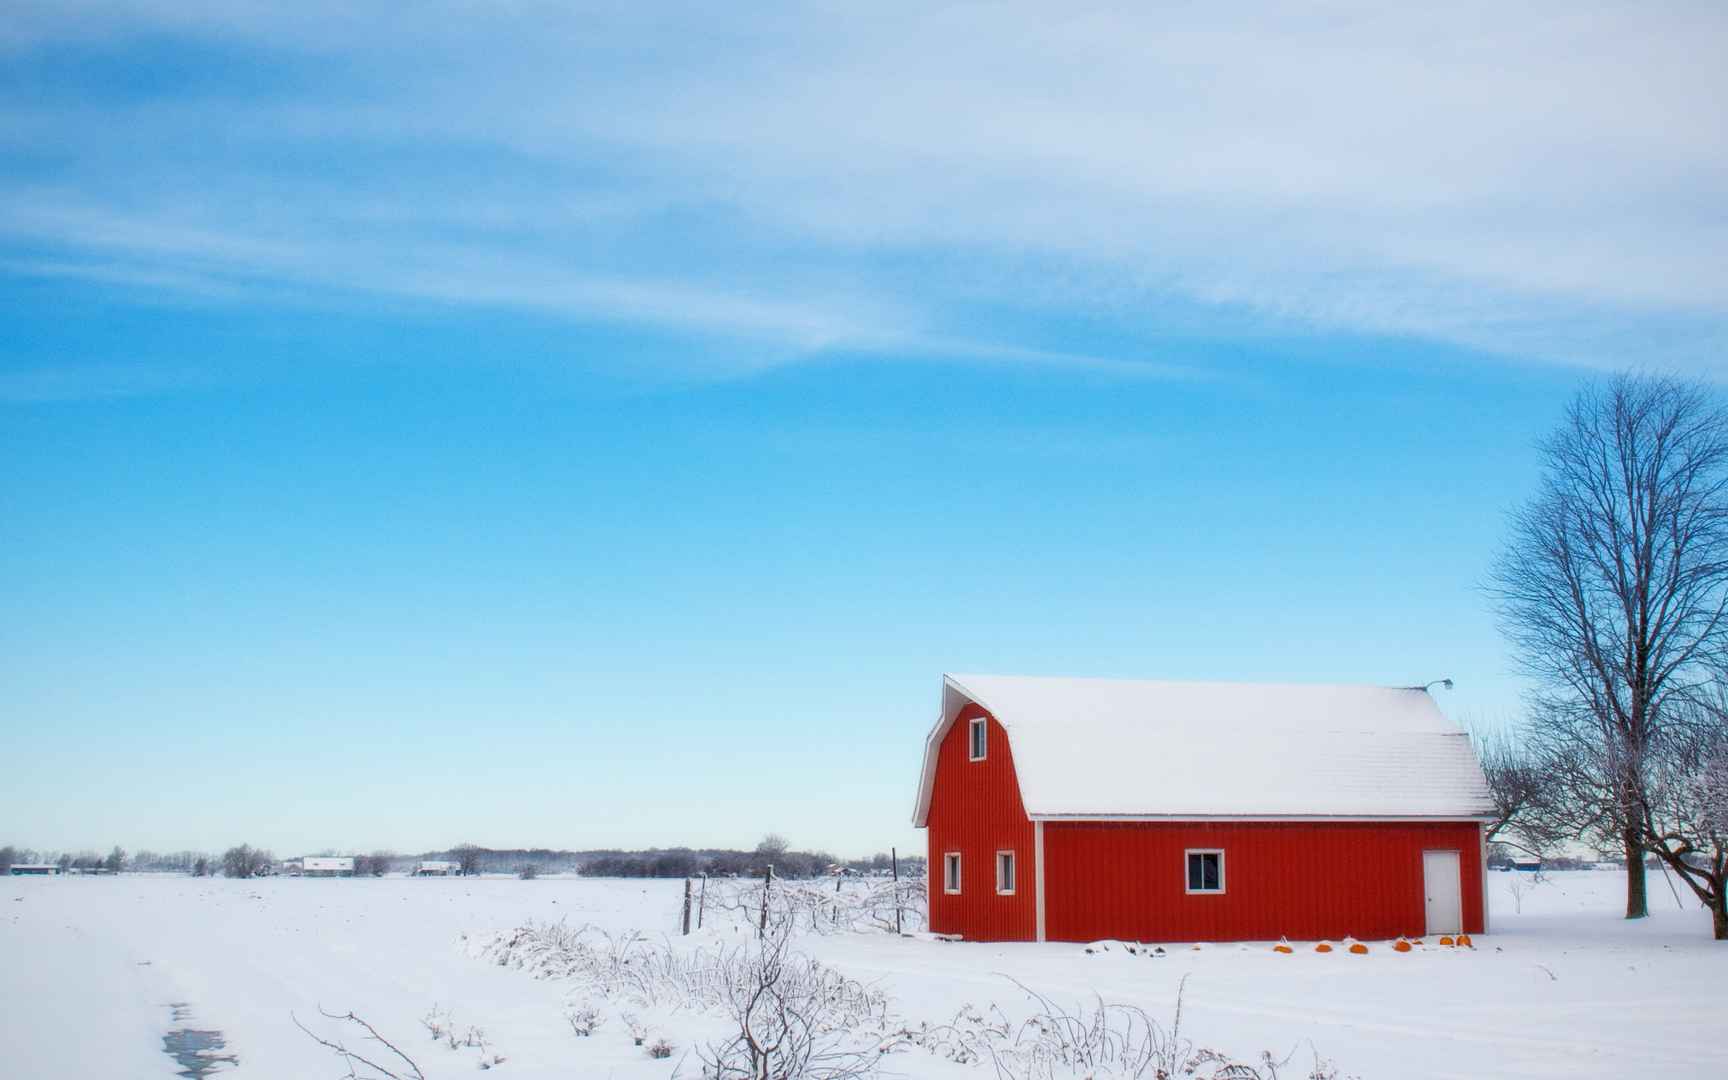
196	1051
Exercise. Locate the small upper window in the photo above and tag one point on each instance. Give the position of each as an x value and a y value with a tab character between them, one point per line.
979	734
951	872
1005	873
1205	871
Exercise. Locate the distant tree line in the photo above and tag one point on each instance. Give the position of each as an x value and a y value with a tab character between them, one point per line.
1502	856
725	862
247	861
115	861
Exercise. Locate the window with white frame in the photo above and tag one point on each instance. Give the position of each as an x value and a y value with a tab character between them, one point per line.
1205	870
978	735
1005	873
951	872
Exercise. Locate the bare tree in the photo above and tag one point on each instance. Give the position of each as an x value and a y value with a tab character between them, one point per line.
1684	806
467	859
246	861
1521	782
1711	791
376	864
773	846
8	856
116	860
1611	589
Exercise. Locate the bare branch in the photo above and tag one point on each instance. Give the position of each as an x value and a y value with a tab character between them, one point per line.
349	1057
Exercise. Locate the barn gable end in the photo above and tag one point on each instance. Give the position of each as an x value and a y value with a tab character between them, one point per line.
975	809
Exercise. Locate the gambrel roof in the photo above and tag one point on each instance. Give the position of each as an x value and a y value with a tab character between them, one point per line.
1122	748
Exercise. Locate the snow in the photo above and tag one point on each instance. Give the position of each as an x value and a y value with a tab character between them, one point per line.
88	967
1131	748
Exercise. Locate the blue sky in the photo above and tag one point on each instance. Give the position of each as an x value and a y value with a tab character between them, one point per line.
562	424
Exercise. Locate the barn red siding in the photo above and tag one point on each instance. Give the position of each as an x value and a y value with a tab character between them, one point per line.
1304	880
975	809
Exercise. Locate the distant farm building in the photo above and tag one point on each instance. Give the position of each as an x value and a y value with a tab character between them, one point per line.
1529	864
1084	809
428	868
327	866
36	870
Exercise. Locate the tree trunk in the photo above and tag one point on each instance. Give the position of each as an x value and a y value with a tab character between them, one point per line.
1719	911
1637	900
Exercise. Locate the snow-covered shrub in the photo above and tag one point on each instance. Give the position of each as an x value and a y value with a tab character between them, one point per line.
1104	1040
584	1019
796	1018
850	904
437	1022
793	1018
638	1030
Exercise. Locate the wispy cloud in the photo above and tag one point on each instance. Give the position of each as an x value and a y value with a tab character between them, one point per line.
1548	183
86	381
164	255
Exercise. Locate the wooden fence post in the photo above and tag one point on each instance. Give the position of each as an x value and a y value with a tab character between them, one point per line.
894	857
686	907
702	901
767	883
838	878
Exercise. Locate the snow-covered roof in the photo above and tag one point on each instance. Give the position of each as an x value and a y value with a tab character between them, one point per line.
1120	748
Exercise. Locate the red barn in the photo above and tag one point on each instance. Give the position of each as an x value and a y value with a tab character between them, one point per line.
1085	809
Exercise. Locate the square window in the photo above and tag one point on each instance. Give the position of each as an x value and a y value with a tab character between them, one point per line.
951	872
1205	871
1005	873
979	733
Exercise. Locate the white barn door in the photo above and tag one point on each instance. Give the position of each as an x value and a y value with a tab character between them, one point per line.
1445	897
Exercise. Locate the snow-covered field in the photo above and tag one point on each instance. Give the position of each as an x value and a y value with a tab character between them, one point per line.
89	968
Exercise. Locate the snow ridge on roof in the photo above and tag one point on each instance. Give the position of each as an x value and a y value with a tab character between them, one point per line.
1136	748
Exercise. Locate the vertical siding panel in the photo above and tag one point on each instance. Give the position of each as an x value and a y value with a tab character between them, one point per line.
1305	880
975	809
